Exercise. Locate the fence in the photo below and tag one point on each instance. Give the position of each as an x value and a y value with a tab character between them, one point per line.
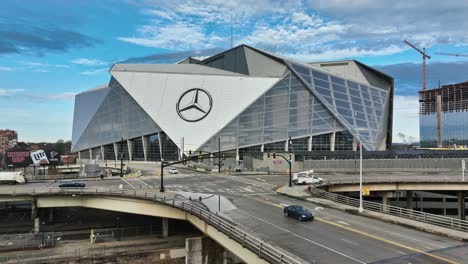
438	220
29	241
381	165
260	248
393	179
48	256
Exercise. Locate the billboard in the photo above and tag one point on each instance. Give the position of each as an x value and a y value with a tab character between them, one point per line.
37	157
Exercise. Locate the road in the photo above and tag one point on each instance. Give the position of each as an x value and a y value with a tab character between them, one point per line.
334	237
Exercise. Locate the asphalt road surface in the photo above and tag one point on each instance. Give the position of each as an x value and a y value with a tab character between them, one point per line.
334	236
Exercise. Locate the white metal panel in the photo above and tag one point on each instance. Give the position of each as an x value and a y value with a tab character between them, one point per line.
159	96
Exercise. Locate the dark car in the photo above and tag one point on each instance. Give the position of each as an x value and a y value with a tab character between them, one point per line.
298	212
72	184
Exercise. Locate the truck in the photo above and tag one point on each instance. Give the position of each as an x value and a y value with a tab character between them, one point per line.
306	177
12	177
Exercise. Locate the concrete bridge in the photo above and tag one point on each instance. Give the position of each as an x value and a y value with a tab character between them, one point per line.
241	244
386	187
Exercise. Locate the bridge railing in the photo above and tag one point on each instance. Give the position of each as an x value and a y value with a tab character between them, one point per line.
393	179
438	220
263	250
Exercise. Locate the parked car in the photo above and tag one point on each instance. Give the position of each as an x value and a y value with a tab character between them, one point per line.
306	177
298	212
72	184
173	170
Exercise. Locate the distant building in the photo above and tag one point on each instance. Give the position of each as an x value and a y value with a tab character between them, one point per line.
443	116
8	139
249	100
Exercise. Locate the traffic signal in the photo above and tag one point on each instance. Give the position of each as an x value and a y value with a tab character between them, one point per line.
274	155
223	157
190	152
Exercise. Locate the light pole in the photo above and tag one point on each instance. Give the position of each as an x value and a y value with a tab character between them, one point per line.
121	158
361	209
219	155
161	188
290	162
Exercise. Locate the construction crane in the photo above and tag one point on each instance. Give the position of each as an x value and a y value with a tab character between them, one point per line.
452	54
424	56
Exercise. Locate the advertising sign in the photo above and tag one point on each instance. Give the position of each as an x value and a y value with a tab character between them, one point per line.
26	158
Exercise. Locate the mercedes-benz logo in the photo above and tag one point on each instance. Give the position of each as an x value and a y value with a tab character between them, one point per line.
194	105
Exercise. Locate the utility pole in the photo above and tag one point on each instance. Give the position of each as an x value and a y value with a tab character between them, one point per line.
219	155
361	208
161	189
290	162
121	158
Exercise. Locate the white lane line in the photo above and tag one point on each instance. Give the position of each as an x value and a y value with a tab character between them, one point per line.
133	187
350	242
149	186
343	223
260	193
261	179
323	212
306	239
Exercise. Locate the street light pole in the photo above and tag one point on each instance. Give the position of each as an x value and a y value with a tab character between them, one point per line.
219	155
121	158
161	188
290	162
361	209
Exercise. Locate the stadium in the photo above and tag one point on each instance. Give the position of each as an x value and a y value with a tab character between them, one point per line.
243	101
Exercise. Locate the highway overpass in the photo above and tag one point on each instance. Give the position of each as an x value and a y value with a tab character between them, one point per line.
334	237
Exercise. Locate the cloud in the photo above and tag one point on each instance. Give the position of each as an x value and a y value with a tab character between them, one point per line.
177	36
408	75
9	92
95	71
4	68
31	39
315	29
42	67
59	96
89	62
406	108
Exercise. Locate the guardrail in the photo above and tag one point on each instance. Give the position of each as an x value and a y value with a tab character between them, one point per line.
394	179
438	220
260	248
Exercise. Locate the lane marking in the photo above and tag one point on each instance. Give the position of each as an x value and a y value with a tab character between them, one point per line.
352	242
369	235
343	223
382	230
133	187
306	239
147	184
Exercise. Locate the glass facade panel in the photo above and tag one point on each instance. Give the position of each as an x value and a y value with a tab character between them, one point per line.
97	155
169	148
109	153
343	141
321	142
454	129
138	153
119	116
122	147
344	97
154	153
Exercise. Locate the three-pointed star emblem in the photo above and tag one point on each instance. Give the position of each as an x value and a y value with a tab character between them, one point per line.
196	105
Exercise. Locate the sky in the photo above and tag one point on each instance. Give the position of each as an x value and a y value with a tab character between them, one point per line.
51	50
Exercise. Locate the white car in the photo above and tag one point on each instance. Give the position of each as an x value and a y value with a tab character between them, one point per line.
173	170
306	178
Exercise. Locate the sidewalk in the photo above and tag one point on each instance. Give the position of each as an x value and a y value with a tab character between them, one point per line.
301	192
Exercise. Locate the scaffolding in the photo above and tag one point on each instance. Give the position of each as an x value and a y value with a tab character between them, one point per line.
454	99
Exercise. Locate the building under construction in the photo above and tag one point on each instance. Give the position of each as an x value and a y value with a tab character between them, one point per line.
443	116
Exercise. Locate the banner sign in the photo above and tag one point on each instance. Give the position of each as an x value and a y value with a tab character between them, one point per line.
37	157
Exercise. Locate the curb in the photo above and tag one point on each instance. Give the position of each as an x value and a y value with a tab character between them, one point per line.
375	215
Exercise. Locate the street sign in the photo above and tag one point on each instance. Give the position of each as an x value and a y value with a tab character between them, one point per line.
277	162
365	191
463	164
